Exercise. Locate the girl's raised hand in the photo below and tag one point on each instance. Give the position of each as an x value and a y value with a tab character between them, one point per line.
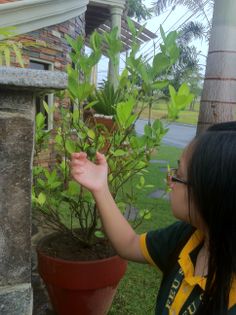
92	176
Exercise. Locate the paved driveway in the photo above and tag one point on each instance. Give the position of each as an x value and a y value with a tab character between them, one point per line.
178	135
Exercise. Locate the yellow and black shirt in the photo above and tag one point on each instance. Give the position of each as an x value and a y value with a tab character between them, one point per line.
180	292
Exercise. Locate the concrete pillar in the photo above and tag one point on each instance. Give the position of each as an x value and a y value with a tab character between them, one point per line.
116	14
94	75
18	88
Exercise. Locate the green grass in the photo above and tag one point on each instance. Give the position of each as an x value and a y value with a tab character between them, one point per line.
159	111
137	291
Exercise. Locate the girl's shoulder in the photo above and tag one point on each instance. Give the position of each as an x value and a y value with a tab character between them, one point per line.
163	245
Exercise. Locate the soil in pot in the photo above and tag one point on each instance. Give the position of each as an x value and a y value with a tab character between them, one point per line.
66	247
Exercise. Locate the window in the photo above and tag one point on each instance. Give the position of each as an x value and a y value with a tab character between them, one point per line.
40	65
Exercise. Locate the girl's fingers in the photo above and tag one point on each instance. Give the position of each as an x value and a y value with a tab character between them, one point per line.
100	158
75	163
77	172
79	155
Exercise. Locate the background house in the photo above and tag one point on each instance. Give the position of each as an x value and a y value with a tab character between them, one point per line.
46	22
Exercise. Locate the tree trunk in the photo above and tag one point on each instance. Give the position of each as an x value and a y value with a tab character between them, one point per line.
218	101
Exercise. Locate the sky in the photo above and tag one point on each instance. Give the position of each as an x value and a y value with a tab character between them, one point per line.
169	21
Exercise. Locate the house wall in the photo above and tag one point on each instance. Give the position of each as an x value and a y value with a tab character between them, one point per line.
53	47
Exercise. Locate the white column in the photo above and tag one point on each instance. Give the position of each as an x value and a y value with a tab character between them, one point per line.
116	14
94	75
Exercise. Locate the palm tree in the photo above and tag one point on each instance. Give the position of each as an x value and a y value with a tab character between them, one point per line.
137	9
188	64
218	101
194	5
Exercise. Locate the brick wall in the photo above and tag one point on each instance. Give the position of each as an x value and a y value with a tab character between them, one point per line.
52	47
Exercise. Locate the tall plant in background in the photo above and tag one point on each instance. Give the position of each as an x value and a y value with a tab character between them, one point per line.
137	9
187	68
64	204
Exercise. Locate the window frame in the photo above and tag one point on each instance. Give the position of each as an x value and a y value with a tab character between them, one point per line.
50	95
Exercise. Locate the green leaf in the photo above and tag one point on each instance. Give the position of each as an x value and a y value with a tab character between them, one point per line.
41	199
119	152
84	90
124	113
142	181
55	185
162	33
131	26
99	234
40	119
41	182
7	56
18	54
91	134
172	93
90	105
7	31
63	165
184	89
148	130
46	107
59	139
146	214
70	146
73	188
76	116
170	39
159	85
160	63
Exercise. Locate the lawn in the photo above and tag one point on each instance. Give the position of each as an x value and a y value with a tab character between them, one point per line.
137	291
159	110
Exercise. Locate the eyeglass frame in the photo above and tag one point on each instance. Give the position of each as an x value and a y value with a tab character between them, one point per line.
174	178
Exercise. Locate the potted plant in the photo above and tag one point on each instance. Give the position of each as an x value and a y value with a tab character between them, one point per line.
105	100
77	263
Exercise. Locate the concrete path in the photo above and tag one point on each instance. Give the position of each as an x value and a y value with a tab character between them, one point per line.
179	135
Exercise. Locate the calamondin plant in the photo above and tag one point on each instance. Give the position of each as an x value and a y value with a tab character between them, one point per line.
64	204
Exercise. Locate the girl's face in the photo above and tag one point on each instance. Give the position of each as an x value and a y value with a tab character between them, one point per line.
179	196
179	192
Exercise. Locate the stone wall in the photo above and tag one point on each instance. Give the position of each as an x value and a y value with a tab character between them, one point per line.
18	88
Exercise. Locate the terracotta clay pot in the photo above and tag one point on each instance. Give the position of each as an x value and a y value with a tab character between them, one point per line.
81	288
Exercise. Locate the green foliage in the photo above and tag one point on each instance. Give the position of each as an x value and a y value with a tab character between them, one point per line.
106	99
137	9
179	100
65	205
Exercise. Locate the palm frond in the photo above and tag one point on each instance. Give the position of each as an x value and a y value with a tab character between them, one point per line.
192	30
161	5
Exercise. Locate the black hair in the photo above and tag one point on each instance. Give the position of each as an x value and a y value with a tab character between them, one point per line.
211	173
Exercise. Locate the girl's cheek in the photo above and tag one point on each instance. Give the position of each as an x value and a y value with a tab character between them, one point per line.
172	185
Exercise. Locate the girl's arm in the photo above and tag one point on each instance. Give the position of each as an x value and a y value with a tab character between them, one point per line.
94	177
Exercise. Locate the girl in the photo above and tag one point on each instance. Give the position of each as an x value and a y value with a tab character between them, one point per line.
197	254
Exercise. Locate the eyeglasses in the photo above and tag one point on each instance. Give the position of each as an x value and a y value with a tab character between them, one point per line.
173	177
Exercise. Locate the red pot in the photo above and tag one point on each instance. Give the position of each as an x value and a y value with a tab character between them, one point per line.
81	288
